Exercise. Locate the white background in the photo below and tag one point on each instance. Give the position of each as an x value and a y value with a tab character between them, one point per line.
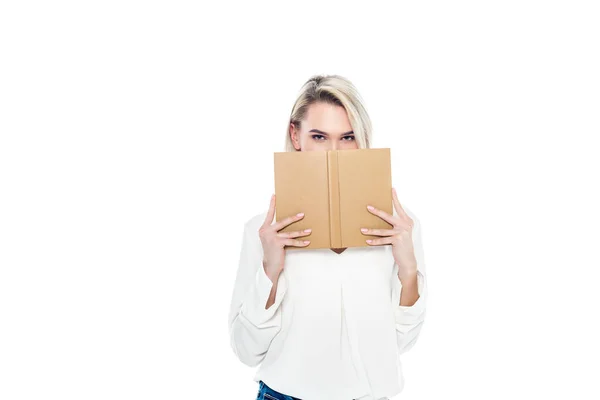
137	138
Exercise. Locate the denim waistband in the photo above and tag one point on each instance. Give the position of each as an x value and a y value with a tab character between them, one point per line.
267	393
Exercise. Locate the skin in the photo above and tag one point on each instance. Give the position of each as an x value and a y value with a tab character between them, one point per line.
327	127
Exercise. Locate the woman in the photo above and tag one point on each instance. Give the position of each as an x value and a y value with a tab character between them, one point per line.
328	324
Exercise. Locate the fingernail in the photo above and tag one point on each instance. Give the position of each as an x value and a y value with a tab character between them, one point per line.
299	214
363	229
371	208
369	241
307	230
306	241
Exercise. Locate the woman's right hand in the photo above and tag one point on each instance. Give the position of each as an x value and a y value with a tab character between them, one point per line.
273	241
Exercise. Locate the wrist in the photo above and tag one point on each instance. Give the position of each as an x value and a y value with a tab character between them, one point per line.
271	273
409	279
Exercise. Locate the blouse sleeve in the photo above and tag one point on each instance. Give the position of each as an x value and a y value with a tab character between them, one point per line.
409	319
252	327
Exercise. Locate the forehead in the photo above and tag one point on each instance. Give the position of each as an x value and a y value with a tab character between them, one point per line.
328	118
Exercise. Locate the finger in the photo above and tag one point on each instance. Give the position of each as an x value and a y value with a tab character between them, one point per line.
296	243
381	214
397	204
288	235
286	221
270	213
379	232
380	241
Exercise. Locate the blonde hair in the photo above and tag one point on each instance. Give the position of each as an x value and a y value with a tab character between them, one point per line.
332	89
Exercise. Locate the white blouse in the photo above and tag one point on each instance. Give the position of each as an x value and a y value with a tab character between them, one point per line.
336	329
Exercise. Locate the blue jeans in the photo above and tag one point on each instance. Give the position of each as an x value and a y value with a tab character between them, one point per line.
266	393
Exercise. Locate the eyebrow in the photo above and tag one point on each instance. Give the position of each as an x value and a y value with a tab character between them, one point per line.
325	133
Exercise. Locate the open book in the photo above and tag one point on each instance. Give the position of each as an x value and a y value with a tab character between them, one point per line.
333	188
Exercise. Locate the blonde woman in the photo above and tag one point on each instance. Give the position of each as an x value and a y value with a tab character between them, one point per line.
328	324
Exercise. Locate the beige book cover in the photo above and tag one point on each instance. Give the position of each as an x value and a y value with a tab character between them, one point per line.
333	188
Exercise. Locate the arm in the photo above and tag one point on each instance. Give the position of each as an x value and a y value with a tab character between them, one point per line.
409	297
409	290
255	315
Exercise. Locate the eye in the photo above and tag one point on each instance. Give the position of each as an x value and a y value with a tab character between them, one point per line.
317	137
351	137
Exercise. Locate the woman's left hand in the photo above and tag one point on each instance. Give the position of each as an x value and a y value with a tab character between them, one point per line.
400	237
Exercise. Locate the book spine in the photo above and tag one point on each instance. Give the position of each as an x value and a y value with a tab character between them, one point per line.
335	225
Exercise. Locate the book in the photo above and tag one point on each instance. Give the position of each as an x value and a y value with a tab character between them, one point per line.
333	188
